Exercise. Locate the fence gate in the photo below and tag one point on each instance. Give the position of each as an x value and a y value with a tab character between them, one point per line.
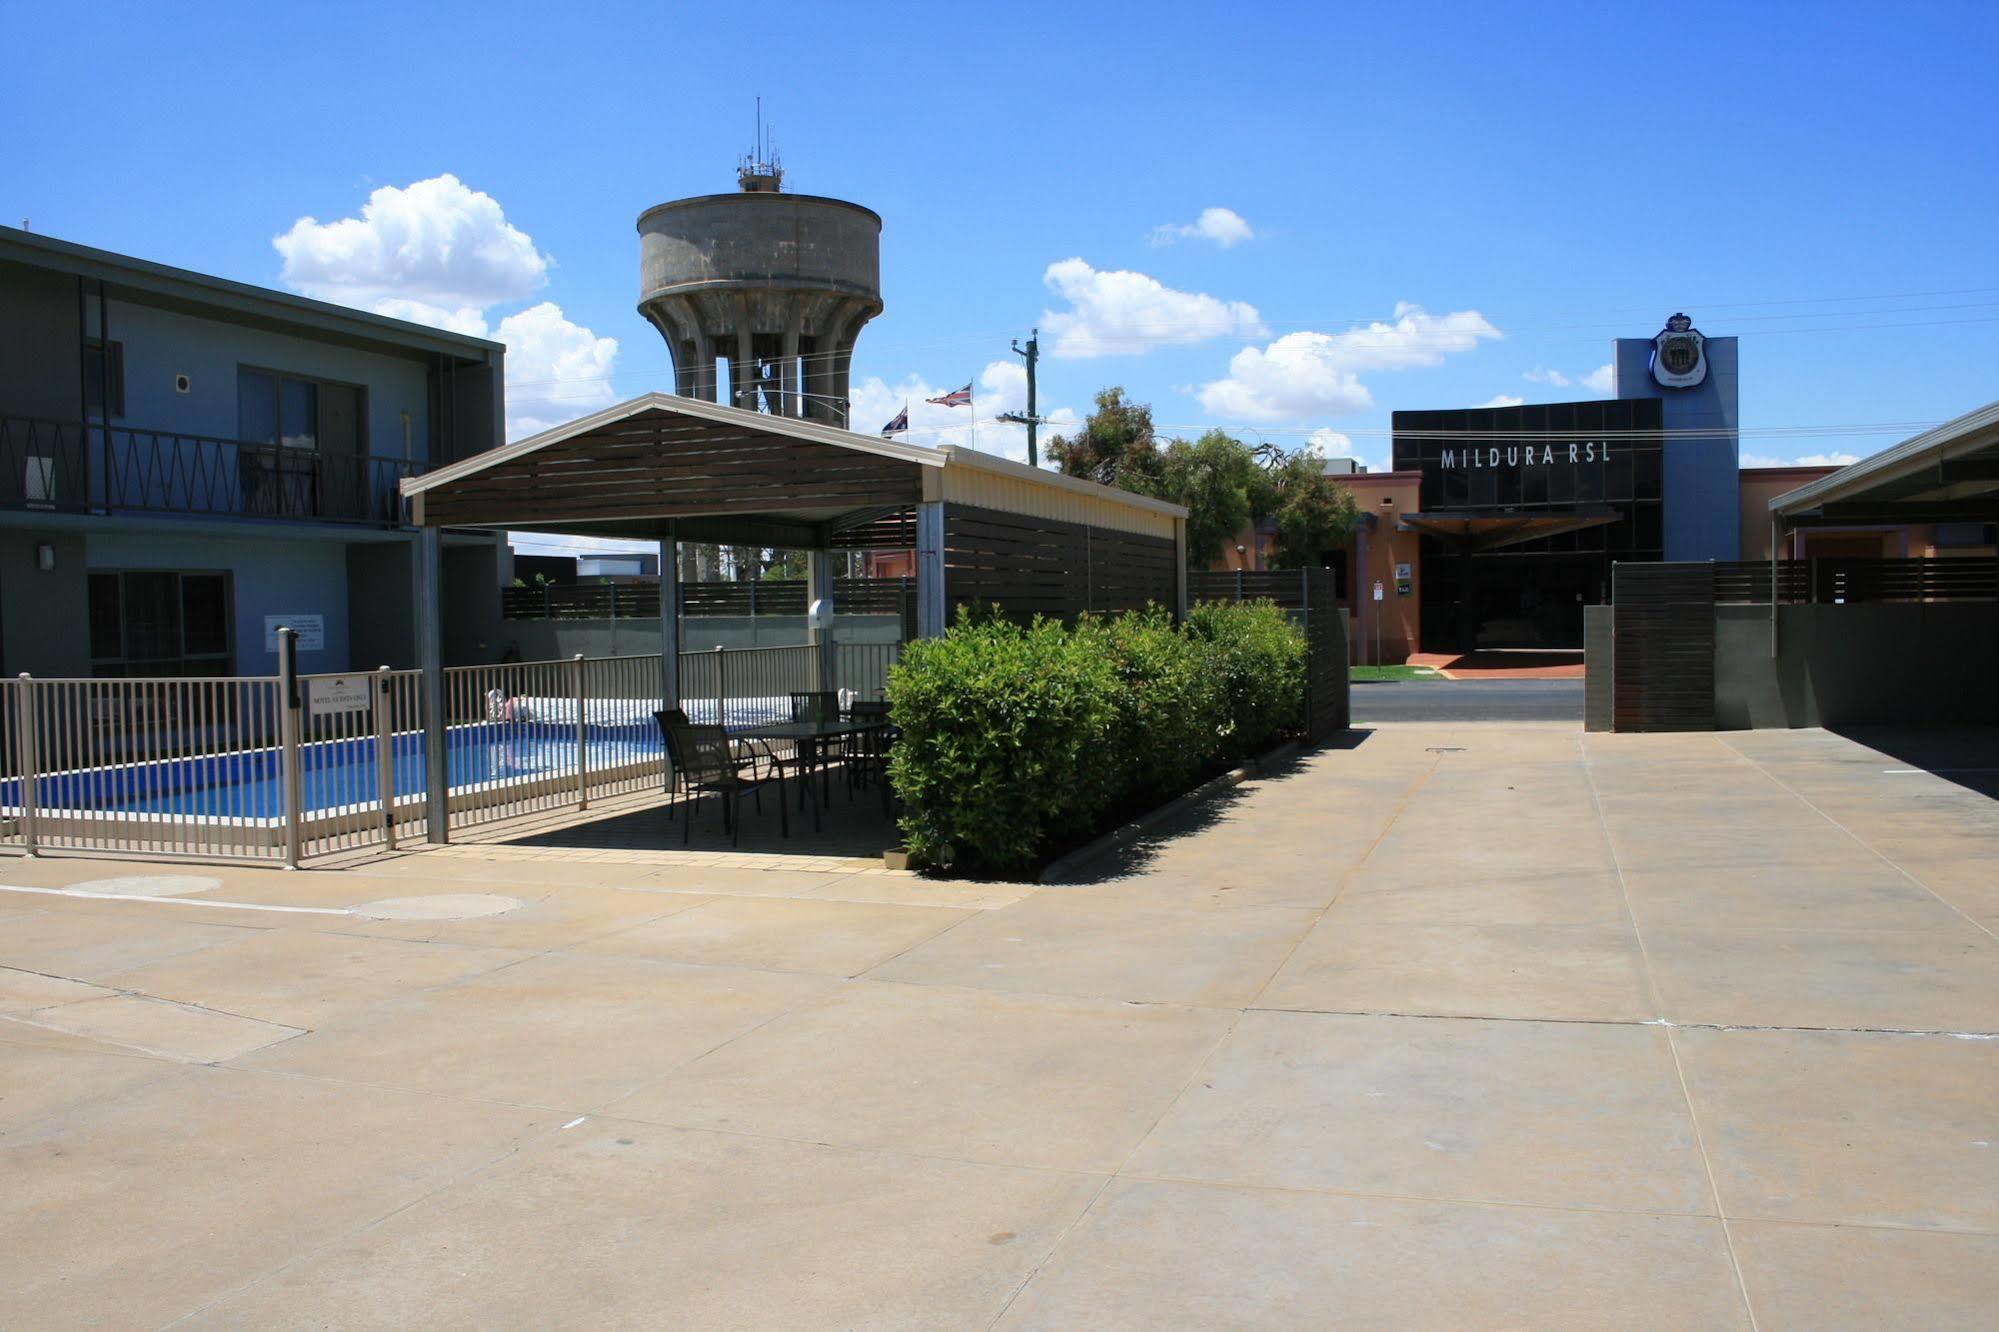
1662	649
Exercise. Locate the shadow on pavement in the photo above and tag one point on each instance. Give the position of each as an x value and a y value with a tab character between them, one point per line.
1968	756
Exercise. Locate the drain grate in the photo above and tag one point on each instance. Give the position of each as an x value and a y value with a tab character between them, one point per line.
1444	749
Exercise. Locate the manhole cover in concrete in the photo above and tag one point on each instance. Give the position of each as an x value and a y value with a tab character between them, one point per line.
149	885
438	906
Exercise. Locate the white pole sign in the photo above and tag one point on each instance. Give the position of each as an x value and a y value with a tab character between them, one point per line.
1377	590
332	694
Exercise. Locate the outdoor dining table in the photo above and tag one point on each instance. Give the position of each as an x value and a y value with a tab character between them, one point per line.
812	739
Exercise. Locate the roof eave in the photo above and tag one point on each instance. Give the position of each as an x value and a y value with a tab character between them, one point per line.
27	247
1960	435
986	462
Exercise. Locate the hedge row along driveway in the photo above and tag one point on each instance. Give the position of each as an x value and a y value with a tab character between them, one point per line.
1018	740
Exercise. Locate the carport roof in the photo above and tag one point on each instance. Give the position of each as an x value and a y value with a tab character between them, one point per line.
1947	474
721	474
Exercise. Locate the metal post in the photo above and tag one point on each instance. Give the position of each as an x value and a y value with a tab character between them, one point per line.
385	758
1179	569
1776	549
430	656
669	619
721	685
582	747
24	747
818	590
288	727
932	596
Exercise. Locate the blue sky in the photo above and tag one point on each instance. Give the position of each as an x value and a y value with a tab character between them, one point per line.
1503	188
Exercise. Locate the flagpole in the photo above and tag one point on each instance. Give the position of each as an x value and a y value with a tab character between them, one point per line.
972	402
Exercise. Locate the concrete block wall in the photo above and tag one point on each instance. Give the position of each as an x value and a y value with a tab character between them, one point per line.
1881	663
1598	683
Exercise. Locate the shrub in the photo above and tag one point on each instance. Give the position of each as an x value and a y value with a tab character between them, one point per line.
1167	706
1015	739
1003	730
1259	659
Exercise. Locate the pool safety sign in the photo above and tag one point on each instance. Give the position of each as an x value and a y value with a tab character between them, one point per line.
332	694
311	631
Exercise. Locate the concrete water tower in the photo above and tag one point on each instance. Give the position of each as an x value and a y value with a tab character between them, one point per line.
776	284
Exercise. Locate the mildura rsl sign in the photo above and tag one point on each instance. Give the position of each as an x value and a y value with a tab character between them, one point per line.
1571	453
1542	456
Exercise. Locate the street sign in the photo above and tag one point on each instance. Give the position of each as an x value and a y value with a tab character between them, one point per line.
339	693
1377	589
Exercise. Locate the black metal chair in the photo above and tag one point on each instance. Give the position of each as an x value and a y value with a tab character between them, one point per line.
710	765
866	752
746	749
816	706
668	718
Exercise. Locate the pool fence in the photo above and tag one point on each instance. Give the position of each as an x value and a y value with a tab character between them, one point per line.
278	769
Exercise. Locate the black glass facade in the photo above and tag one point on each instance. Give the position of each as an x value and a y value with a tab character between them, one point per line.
1544	460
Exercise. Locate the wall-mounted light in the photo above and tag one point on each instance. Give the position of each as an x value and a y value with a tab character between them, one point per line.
45	557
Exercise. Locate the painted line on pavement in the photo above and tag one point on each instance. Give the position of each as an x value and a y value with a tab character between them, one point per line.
178	901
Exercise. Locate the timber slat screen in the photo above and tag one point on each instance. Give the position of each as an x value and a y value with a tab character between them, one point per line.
640	601
1311	596
1662	654
1831	580
1282	586
1041	566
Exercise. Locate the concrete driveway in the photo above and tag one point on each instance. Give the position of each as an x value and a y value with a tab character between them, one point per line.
1480	1026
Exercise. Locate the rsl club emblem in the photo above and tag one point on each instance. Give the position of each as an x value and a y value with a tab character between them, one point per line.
1679	354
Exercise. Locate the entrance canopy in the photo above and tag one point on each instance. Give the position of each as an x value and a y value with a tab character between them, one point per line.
1476	530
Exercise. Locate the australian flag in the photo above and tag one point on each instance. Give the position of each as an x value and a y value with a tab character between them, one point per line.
955	398
898	425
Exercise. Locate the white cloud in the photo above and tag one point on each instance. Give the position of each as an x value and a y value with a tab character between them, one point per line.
1502	400
1599	380
1224	226
1836	459
1318	374
556	370
1000	387
437	242
1122	313
439	253
1330	442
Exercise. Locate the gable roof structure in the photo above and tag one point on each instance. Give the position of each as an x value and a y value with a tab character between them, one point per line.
726	474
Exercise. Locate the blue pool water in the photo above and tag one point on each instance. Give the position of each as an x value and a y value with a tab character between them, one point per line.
247	783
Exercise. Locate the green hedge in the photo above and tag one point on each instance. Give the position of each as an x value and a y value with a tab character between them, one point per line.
1018	739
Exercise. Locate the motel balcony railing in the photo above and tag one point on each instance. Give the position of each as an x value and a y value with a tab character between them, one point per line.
77	467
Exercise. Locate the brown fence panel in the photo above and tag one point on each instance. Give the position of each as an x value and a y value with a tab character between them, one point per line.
640	601
1023	566
1833	580
1127	570
1662	653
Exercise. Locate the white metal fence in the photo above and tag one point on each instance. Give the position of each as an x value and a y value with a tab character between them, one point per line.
276	768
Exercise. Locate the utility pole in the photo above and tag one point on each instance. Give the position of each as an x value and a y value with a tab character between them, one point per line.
1031	353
